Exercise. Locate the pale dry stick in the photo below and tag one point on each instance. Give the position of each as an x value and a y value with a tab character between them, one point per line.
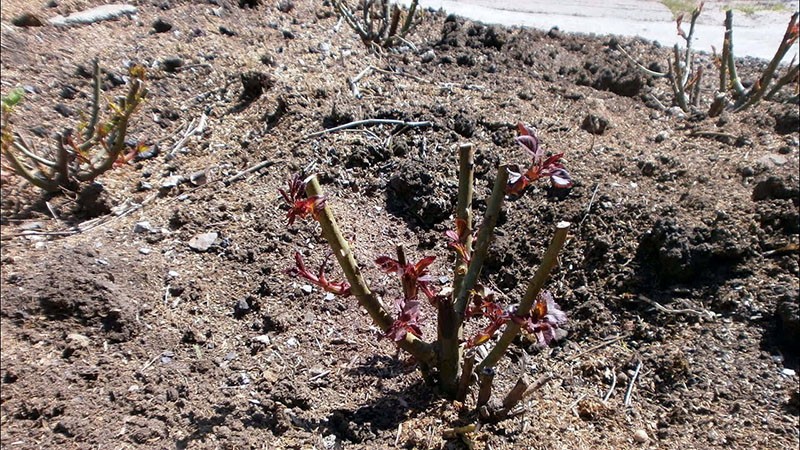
629	391
251	169
644	69
358	123
613	385
664	309
589	206
541	381
191	130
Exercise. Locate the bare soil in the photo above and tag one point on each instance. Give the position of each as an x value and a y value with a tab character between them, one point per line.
118	336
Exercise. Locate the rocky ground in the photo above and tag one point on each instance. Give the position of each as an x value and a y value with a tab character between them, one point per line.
121	330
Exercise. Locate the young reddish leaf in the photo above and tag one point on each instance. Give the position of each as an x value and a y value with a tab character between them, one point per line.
541	166
299	205
407	321
335	287
415	275
458	240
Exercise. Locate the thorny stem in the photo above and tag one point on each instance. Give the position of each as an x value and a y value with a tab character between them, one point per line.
466	176
485	377
735	81
409	19
466	376
759	89
493	207
450	330
790	76
421	350
91	128
549	261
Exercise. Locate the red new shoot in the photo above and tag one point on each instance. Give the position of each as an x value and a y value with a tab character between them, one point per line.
407	320
335	287
542	321
413	275
300	205
542	165
458	240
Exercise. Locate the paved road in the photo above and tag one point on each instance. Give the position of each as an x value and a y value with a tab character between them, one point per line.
757	34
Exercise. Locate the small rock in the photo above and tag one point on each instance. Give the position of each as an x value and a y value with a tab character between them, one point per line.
171	182
145	251
203	241
173	274
68	92
143	227
167	357
306	288
172	64
27	19
428	56
241	307
288	34
161	26
676	112
31	226
595	123
662	136
292	342
788	372
770	161
198	178
78	340
641	436
226	31
63	110
262	339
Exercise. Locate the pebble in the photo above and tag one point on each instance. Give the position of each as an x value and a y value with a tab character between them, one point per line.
144	251
161	26
27	19
172	274
262	339
78	340
292	342
203	241
143	227
772	160
31	226
306	288
662	136
641	436
171	182
788	372
171	64
428	56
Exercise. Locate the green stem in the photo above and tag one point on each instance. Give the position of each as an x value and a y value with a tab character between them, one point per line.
422	351
549	261
484	237
450	330
735	81
755	93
